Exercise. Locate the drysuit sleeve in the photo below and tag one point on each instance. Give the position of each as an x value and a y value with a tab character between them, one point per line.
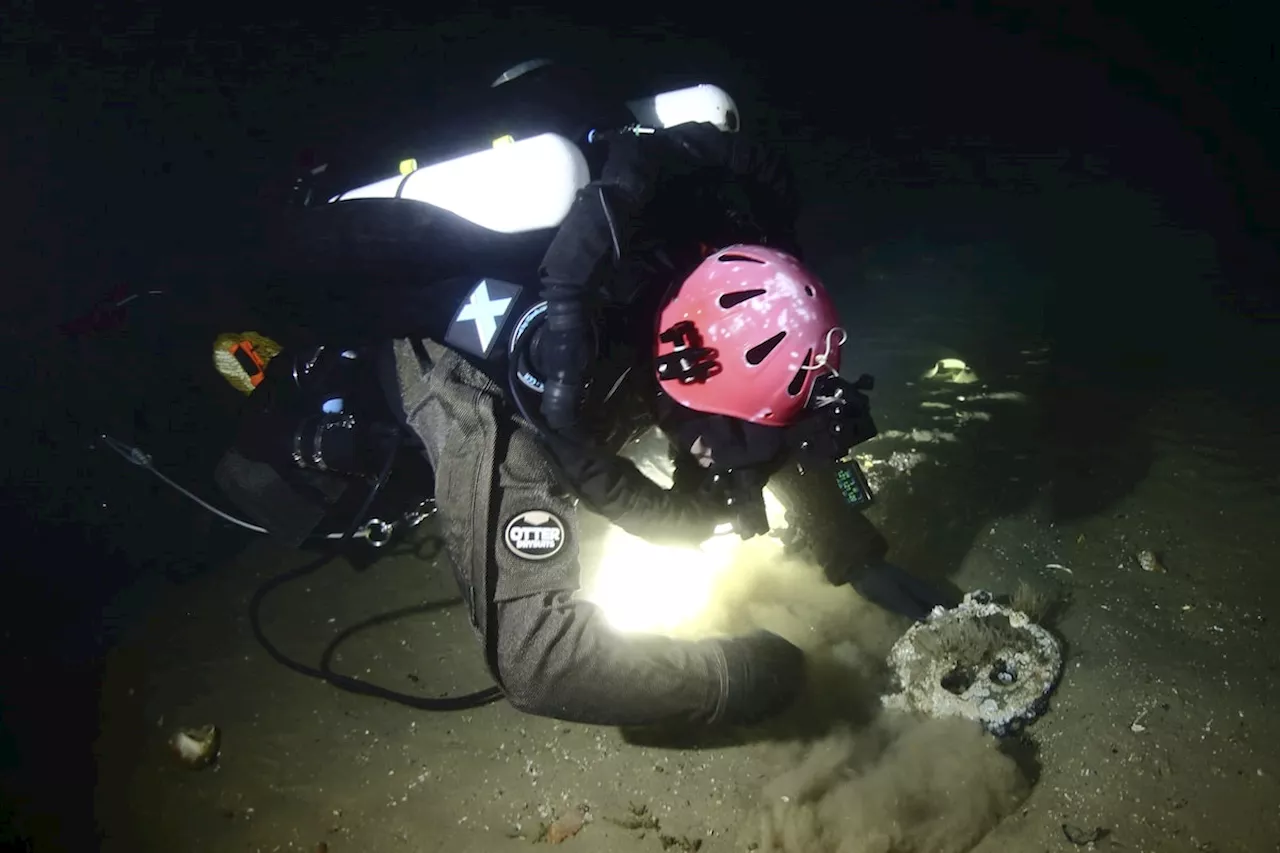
596	229
605	214
615	488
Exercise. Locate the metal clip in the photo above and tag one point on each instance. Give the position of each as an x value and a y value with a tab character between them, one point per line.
426	509
377	531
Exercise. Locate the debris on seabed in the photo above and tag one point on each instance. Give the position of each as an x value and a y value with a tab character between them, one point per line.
566	826
197	748
1150	562
951	370
638	817
1136	726
1081	837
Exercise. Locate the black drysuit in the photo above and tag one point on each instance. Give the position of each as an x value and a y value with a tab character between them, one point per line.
508	498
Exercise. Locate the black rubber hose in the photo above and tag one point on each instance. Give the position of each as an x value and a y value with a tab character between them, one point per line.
325	672
375	488
355	685
344	682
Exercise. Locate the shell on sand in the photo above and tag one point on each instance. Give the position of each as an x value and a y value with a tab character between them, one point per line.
197	747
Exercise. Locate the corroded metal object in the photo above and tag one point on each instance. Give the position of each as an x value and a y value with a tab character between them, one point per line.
981	661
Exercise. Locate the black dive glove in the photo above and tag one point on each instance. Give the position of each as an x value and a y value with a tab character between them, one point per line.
734	461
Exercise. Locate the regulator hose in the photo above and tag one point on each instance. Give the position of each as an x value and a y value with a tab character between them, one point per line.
346	683
325	672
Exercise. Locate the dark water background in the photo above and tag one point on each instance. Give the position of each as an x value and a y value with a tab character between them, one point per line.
1099	182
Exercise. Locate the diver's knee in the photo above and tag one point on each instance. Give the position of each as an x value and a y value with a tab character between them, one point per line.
528	691
523	665
523	694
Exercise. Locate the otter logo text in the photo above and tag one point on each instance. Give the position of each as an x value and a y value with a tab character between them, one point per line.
534	535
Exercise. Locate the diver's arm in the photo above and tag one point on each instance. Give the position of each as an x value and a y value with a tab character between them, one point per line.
614	488
598	227
602	218
572	264
596	230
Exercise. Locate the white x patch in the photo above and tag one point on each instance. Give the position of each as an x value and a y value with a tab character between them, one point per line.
485	313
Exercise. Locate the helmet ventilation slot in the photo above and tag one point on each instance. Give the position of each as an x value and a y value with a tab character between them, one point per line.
734	258
728	300
760	351
797	381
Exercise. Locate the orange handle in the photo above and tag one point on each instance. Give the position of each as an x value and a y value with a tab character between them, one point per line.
249	359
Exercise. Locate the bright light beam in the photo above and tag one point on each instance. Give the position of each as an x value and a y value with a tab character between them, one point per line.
648	588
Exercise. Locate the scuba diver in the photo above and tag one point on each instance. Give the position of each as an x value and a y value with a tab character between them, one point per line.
730	346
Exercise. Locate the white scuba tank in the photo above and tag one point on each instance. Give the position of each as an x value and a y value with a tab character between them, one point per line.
517	186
